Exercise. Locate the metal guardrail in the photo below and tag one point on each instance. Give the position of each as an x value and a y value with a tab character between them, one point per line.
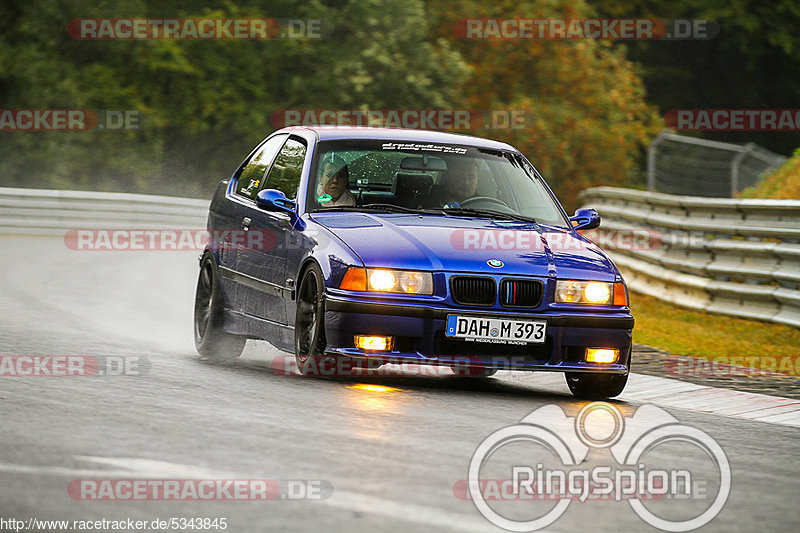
737	257
54	212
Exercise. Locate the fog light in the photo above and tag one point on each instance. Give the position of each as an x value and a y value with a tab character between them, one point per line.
374	343
601	355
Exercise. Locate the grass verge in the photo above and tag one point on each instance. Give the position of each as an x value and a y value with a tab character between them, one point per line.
688	332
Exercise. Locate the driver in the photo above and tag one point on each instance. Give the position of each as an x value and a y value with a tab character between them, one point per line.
333	182
460	182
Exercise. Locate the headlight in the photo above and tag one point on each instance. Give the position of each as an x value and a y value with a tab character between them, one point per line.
385	280
382	280
590	292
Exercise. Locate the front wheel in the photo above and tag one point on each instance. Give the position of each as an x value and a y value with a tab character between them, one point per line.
210	339
309	329
595	386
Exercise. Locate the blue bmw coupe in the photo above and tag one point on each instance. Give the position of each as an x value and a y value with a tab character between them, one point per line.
366	246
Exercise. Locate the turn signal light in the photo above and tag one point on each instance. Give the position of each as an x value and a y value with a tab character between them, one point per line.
355	279
620	295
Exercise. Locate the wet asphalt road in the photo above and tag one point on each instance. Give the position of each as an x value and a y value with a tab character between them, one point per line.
391	456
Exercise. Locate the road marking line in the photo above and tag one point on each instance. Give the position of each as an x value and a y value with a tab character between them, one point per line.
133	467
430	517
50	470
669	392
722	402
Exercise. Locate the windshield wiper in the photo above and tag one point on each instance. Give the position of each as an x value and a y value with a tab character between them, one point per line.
372	207
489	213
390	207
451	211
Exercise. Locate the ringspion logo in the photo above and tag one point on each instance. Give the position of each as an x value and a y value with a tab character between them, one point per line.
518	495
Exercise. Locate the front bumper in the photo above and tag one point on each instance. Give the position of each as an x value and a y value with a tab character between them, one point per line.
419	333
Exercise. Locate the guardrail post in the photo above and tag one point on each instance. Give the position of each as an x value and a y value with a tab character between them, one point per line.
651	162
735	162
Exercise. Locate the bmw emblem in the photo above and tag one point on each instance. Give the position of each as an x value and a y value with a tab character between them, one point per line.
494	263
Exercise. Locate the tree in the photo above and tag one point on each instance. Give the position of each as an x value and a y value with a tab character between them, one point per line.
204	103
589	122
753	63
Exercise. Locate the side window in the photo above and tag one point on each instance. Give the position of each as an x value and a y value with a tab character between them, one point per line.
285	173
252	175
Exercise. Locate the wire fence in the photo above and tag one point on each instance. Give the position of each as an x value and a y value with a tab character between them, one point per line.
677	164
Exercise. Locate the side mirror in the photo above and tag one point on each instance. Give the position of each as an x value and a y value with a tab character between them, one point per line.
274	200
585	218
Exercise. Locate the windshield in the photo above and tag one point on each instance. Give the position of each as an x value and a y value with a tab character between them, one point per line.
426	177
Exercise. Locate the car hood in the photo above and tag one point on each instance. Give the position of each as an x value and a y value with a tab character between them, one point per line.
462	244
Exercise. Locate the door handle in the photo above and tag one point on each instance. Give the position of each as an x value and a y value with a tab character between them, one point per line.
246	223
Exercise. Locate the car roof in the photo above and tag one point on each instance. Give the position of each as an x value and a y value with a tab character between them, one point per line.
329	133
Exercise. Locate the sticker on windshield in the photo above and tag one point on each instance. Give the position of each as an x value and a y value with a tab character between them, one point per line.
324	198
424	148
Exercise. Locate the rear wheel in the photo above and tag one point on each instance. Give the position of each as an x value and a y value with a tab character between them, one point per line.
210	339
309	329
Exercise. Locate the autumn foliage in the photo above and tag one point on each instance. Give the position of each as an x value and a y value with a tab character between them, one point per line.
783	184
588	121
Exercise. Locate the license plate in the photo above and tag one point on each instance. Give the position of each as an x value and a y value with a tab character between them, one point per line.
495	329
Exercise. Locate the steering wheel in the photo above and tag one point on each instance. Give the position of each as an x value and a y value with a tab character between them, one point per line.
489	199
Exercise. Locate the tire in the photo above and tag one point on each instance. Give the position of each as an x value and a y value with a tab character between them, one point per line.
593	386
309	329
210	339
